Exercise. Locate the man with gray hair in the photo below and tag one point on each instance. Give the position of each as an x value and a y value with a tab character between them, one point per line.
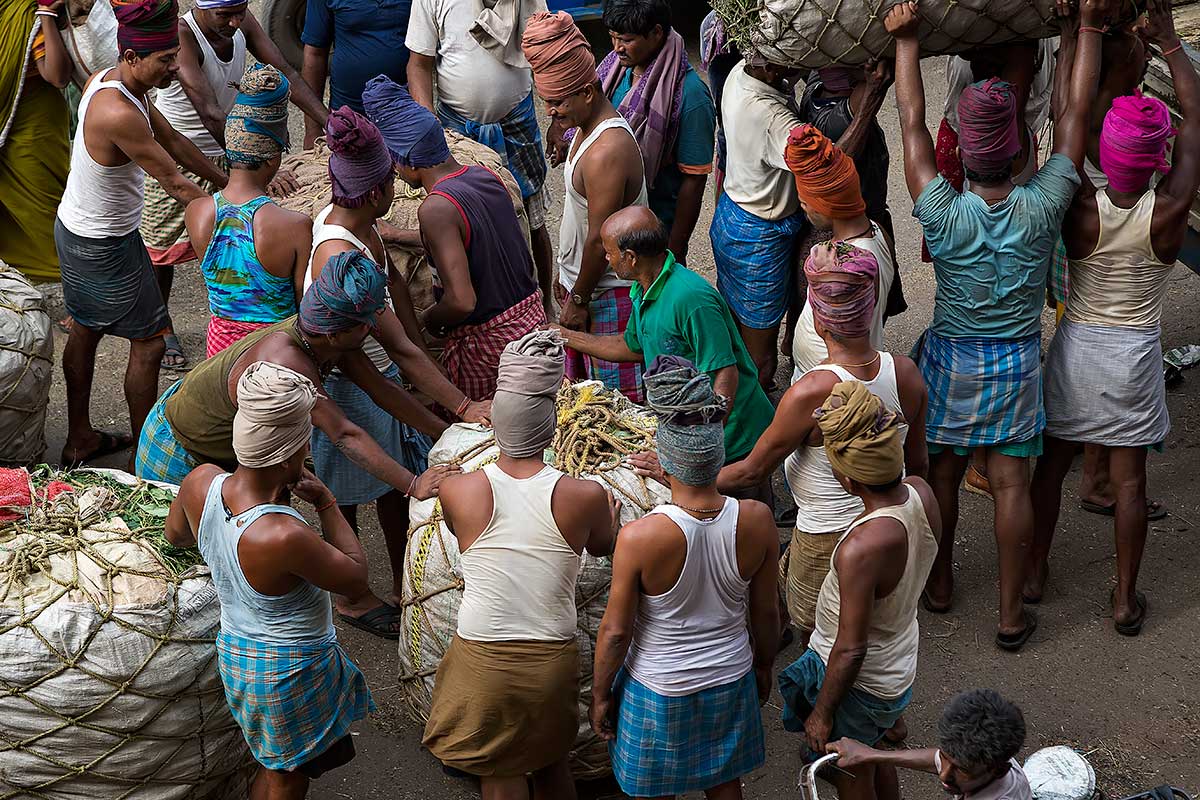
506	696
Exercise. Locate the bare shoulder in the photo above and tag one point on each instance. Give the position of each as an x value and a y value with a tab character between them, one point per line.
811	389
197	482
580	489
282	225
462	485
924	491
872	543
645	534
908	374
756	517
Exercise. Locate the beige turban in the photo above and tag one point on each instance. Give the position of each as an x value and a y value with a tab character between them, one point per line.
862	438
531	372
274	416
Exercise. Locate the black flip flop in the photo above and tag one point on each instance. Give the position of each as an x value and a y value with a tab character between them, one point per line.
1154	509
1135	627
109	443
174	348
1012	642
932	607
378	621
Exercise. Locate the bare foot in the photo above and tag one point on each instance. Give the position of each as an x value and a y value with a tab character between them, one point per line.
97	445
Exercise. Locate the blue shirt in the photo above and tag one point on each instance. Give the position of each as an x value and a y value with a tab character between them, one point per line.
991	261
693	153
367	37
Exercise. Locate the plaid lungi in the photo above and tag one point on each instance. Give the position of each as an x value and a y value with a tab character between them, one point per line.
160	456
224	332
1060	285
982	392
516	137
755	260
671	745
472	352
608	315
292	702
162	226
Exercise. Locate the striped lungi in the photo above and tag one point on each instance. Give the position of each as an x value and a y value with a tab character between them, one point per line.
802	571
1104	385
160	456
292	702
608	315
982	392
472	352
162	226
666	746
755	260
223	332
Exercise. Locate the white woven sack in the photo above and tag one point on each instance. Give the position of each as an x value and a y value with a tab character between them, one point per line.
26	369
93	44
110	690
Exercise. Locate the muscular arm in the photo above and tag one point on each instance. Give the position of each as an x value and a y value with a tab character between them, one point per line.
609	348
183	520
199	219
920	166
303	95
420	78
1180	183
1071	128
196	86
604	188
789	429
389	396
865	102
616	628
443	233
725	383
55	66
757	533
687	212
914	401
127	127
358	446
186	154
314	71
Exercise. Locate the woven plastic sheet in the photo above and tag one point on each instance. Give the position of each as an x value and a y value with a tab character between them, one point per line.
432	589
817	33
26	369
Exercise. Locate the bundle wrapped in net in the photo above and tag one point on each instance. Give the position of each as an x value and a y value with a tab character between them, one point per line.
311	169
108	673
596	429
817	33
26	369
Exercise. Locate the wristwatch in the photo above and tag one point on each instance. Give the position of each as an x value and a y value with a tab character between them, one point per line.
578	299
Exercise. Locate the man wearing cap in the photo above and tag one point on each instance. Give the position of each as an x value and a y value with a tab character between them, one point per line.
252	252
603	174
484	284
109	286
193	422
855	679
291	688
214	39
991	249
506	696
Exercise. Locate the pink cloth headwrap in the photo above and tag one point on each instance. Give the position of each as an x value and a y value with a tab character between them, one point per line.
987	126
359	160
841	288
1133	141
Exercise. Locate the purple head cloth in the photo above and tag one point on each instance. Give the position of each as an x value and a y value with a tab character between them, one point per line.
413	135
358	158
841	288
987	126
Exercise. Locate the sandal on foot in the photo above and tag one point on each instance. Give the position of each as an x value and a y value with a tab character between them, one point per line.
174	351
379	621
1012	642
1134	626
1154	509
109	443
932	607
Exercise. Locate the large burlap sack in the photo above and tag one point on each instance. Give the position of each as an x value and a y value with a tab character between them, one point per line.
92	38
432	587
312	172
108	675
817	33
26	368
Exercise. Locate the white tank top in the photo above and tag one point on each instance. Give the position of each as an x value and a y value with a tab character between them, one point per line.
890	665
808	349
101	201
222	76
573	233
822	505
519	575
695	635
1122	283
324	232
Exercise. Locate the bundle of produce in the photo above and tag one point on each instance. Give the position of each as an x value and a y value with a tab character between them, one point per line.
596	430
817	33
26	368
108	674
311	169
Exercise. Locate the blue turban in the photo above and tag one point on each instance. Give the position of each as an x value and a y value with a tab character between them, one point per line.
256	128
691	430
413	134
348	292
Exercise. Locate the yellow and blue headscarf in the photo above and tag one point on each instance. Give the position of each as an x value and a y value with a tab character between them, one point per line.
256	128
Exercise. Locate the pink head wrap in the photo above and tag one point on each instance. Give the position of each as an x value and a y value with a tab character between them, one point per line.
841	288
1133	141
987	126
838	80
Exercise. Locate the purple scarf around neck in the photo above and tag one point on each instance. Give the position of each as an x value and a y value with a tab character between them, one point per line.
652	106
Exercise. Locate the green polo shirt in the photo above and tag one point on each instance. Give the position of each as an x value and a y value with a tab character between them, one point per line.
682	314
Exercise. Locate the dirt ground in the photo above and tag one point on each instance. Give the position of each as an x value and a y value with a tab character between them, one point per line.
1130	705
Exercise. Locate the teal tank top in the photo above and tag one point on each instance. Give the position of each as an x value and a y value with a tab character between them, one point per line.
302	616
240	288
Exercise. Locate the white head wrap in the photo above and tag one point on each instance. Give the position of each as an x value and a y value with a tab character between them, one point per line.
274	416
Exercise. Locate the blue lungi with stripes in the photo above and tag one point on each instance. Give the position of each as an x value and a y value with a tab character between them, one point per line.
160	456
982	391
755	258
292	702
671	745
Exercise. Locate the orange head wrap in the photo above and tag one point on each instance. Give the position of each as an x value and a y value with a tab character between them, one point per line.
560	56
826	178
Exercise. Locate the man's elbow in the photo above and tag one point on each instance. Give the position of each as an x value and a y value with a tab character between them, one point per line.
850	655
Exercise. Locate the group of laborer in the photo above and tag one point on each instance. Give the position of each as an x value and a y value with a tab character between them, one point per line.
313	337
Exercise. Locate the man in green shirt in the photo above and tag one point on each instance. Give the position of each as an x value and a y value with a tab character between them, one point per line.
677	312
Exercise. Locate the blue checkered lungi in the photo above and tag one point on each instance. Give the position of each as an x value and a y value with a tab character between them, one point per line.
160	456
517	138
755	259
982	392
671	745
292	702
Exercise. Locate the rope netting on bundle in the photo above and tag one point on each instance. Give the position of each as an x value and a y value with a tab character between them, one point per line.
108	677
817	33
26	369
597	428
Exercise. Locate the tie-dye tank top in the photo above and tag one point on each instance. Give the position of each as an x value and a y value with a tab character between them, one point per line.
239	287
